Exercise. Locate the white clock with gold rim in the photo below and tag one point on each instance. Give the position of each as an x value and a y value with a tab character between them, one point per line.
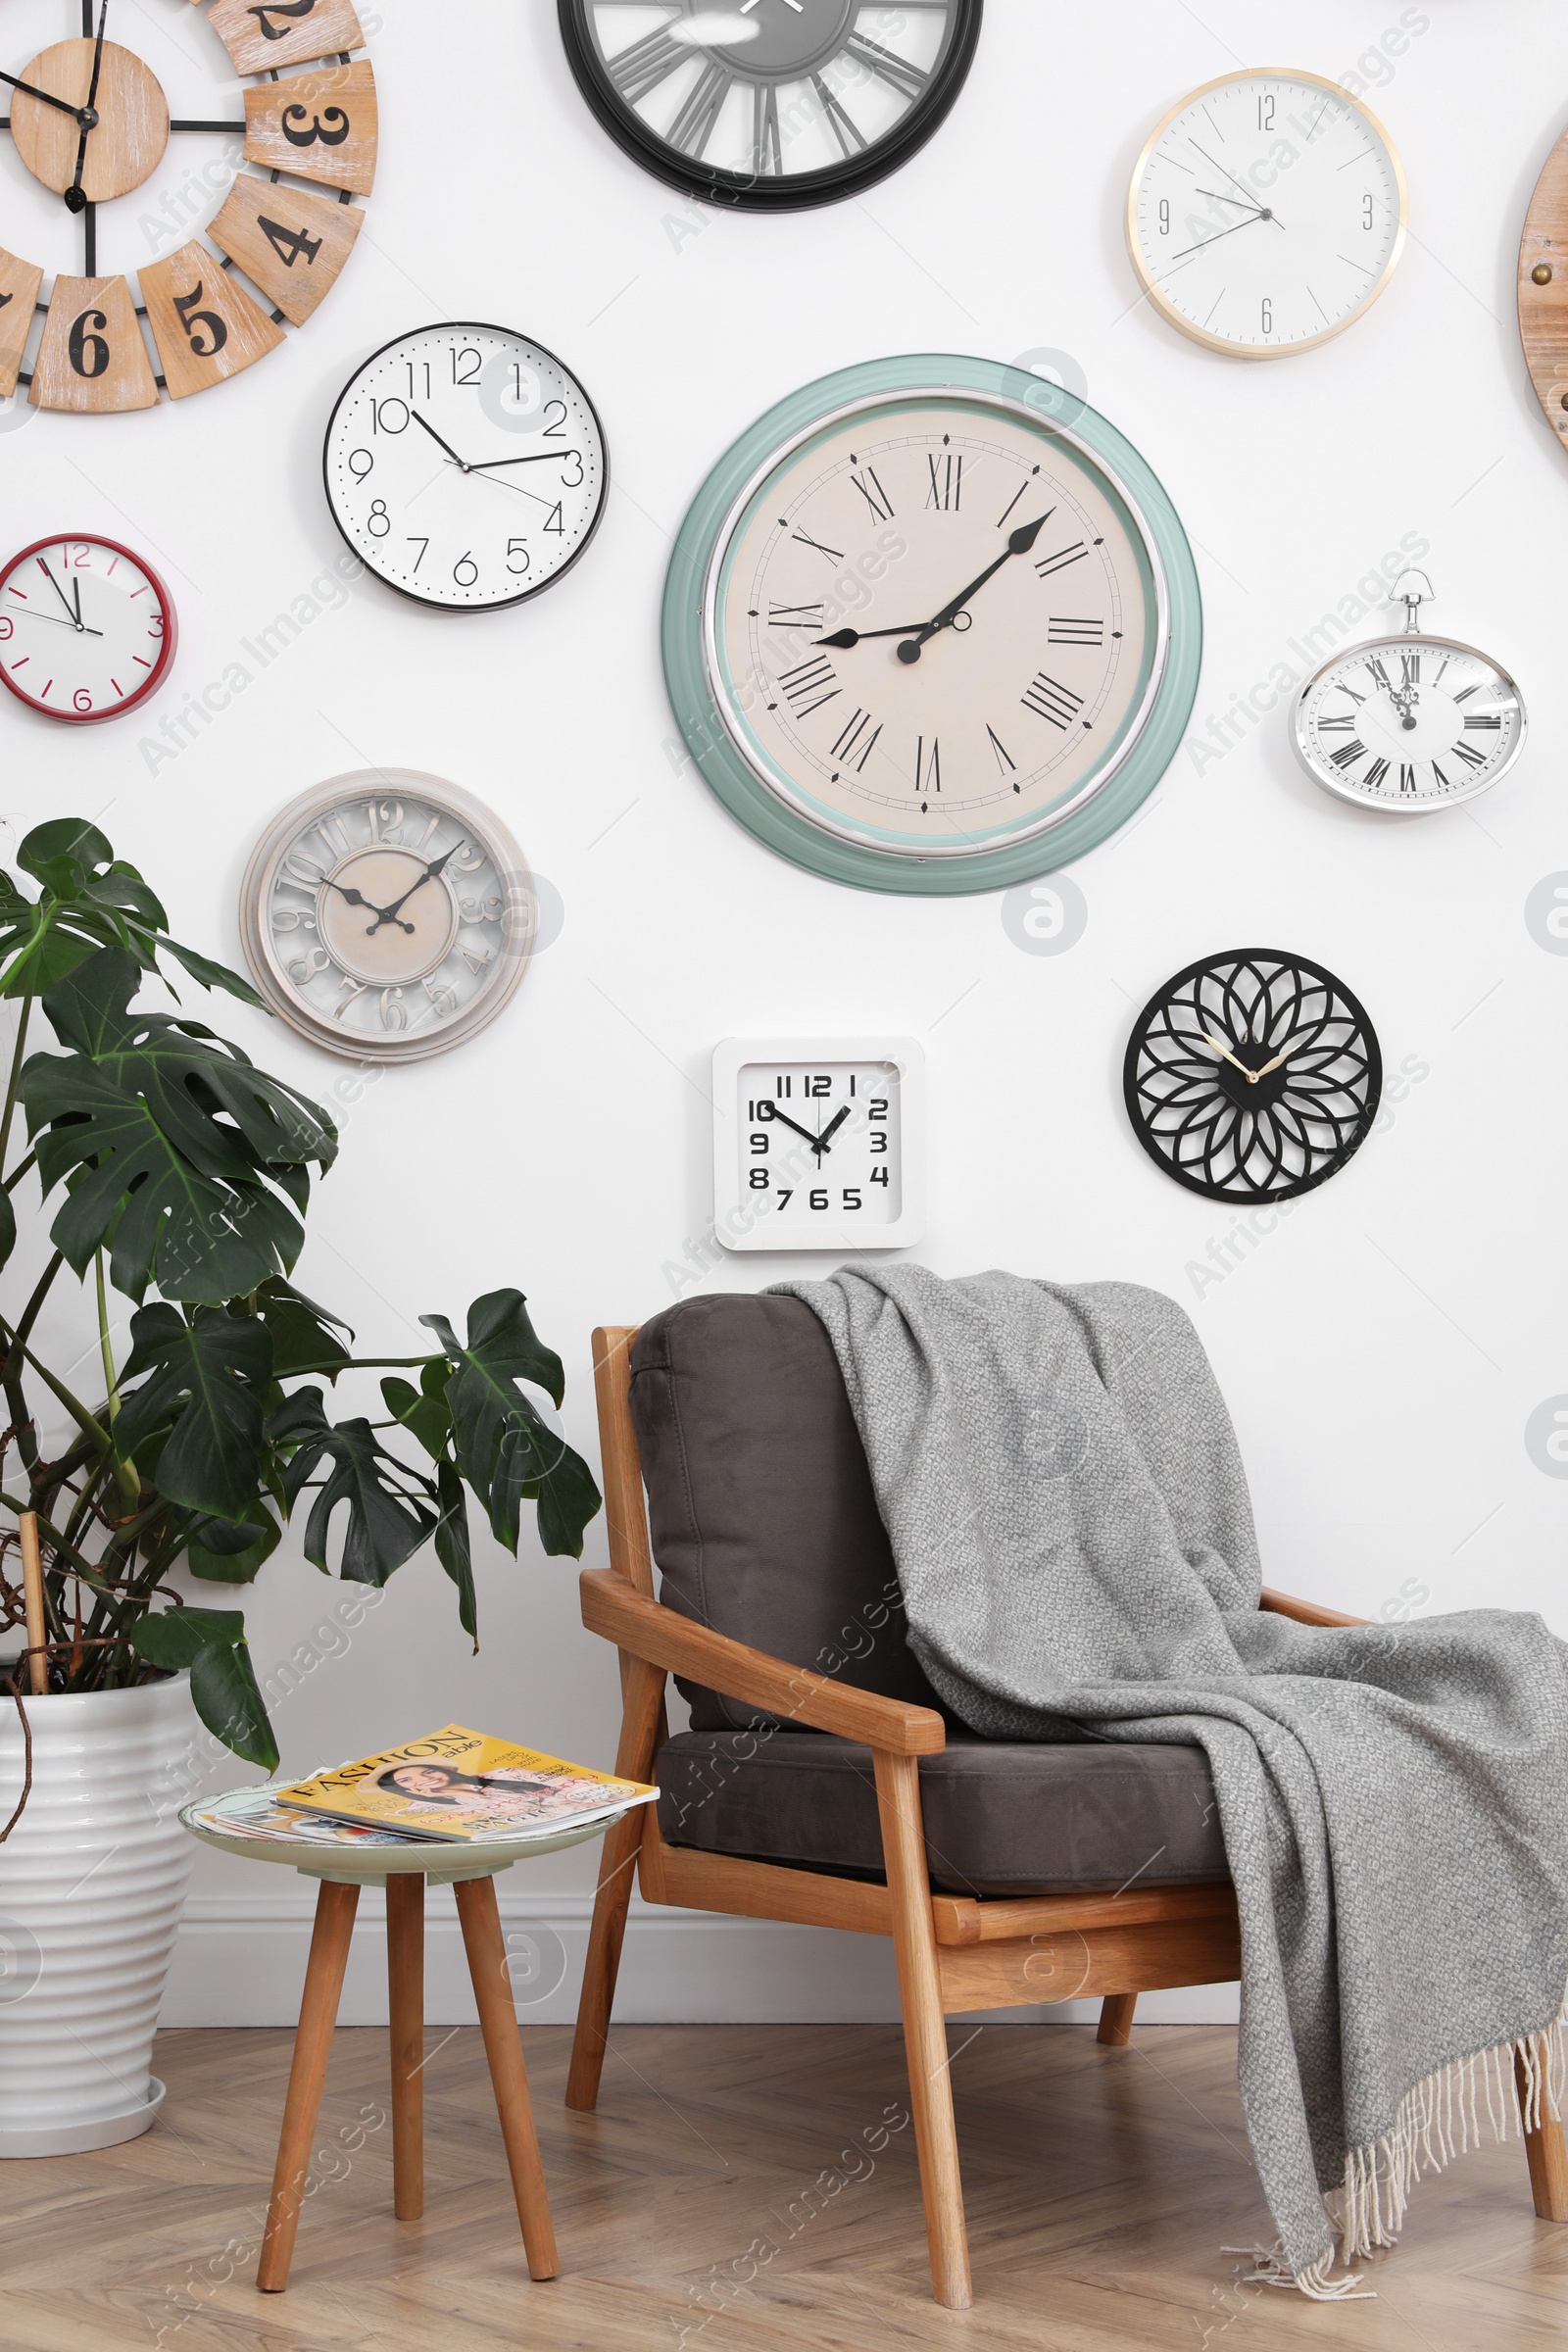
819	1143
387	915
1266	213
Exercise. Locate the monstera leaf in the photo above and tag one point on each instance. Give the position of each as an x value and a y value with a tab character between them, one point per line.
174	1144
506	1449
202	1384
392	1509
89	899
222	1681
304	1335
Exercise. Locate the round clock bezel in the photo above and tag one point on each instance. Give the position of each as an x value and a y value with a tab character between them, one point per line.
1401	641
1177	318
1093	810
505	603
741	191
284	829
1229	1193
160	668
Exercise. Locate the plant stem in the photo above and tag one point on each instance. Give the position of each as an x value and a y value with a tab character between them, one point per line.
125	1472
20	1169
88	1423
16	1076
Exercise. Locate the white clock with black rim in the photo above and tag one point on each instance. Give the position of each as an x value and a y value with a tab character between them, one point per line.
819	1143
466	466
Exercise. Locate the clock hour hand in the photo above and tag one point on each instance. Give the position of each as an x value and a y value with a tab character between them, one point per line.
462	464
356	897
843	639
1271	1065
48	98
824	1139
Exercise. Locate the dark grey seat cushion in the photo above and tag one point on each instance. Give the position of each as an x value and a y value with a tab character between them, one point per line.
999	1818
760	1501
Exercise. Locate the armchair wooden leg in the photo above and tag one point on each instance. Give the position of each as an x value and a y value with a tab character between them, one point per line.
336	1906
898	1792
643	1699
404	1970
1116	2019
1547	2161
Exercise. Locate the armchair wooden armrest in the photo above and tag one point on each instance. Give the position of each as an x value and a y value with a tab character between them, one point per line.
662	1637
1307	1612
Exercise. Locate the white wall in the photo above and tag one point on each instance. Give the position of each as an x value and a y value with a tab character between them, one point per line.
1383	1349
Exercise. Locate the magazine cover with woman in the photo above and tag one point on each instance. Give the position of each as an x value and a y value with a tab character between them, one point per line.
457	1783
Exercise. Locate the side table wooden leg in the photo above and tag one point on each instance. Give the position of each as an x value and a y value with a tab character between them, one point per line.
1116	2019
482	1940
404	1975
336	1906
1545	2157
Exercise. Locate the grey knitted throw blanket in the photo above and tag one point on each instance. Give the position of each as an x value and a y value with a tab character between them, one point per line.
1067	1510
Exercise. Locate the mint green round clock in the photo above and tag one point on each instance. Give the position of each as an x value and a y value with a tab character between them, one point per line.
932	626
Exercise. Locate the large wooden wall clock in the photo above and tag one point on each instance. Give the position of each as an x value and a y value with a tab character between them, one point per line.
932	626
90	121
1544	289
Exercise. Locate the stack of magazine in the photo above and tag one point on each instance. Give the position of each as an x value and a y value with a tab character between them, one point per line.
452	1787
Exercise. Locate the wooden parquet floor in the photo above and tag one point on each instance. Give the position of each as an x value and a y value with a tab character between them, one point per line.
743	2188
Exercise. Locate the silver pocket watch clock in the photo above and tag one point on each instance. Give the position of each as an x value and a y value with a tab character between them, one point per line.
1408	722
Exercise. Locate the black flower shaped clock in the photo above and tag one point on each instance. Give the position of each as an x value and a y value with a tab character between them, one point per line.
1252	1076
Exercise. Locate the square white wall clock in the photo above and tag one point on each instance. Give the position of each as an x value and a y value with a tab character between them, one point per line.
819	1143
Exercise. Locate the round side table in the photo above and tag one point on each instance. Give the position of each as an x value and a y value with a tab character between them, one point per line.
470	1869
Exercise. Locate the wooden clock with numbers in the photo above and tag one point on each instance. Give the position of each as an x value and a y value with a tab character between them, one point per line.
91	123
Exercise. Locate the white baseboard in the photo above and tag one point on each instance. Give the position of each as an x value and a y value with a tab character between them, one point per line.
240	1961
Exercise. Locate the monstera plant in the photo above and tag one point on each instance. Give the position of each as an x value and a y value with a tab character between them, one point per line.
179	1174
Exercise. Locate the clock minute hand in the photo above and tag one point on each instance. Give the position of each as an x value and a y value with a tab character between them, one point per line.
43	566
784	1120
538	456
76	196
1225	1053
389	914
1020	543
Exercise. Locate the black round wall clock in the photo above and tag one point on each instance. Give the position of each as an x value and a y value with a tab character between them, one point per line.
1252	1076
769	105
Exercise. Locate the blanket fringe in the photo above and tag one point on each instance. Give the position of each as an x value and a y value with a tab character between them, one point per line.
1270	2269
1522	2084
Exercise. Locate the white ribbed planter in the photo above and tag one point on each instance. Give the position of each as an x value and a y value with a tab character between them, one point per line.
92	1884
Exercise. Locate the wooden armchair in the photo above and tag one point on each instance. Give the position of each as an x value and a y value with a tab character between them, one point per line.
954	1950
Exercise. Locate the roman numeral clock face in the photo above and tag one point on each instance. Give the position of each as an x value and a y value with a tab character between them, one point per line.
770	104
933	628
1409	723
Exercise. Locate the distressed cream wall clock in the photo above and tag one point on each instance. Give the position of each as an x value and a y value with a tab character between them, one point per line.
387	915
91	124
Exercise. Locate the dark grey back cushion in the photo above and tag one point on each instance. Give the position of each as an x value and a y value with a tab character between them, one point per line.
760	1501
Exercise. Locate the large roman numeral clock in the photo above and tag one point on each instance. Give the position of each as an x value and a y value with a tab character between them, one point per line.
91	124
932	626
769	105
